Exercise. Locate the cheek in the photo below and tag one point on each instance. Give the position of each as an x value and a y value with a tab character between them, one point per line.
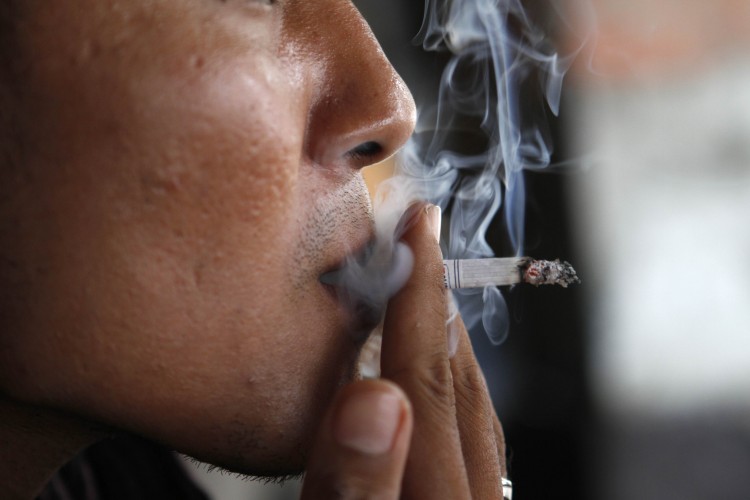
188	292
194	287
178	293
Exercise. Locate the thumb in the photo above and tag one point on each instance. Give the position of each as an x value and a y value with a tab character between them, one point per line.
362	444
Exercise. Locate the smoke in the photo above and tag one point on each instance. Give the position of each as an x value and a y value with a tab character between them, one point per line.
470	150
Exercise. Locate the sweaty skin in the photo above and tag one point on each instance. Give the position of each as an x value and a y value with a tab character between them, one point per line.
180	174
187	176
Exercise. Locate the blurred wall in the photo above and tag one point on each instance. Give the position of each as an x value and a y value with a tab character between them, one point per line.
660	118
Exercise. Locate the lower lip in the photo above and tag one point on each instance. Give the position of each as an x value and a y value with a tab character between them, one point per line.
330	291
360	320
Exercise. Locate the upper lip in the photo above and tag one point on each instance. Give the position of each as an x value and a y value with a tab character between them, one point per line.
363	312
329	276
353	253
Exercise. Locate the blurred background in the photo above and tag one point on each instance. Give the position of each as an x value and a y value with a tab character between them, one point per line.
635	384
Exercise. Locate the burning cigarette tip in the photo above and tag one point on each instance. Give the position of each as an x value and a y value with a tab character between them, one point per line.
550	272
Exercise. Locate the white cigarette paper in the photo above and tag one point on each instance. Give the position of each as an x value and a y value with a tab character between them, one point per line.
479	273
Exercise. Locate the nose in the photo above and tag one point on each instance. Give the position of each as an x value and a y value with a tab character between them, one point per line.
360	110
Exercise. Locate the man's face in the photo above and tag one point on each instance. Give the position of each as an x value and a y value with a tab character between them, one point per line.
188	170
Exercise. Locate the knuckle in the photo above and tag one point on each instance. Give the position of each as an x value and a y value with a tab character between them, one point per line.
473	400
431	381
471	385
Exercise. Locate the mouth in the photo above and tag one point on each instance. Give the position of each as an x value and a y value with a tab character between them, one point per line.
348	290
366	279
331	278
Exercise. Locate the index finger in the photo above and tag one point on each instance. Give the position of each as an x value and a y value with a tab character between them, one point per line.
415	321
415	356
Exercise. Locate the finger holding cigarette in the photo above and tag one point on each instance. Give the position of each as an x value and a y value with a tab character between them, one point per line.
416	357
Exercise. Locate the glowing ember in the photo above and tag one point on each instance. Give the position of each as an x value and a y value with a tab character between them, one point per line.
550	272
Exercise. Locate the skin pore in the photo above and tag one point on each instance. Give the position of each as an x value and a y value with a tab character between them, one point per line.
183	173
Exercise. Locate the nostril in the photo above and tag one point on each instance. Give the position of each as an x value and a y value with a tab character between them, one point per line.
366	150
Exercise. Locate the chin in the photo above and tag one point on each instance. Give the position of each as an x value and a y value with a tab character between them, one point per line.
278	448
276	468
256	452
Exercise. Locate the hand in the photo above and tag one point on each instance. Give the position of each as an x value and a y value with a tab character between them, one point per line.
427	429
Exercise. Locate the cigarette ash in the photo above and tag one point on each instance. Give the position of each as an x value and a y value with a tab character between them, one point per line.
549	272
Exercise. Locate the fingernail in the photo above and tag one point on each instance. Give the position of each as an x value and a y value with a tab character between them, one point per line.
367	422
436	220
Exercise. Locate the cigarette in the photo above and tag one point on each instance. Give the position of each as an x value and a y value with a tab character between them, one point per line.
479	273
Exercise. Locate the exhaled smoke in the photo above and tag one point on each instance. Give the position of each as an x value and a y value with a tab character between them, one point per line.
471	149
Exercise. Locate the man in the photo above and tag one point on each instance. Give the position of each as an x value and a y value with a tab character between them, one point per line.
176	176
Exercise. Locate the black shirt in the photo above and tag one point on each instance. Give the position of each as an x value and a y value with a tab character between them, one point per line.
123	468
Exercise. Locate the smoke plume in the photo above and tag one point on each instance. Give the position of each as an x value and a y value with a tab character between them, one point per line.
470	150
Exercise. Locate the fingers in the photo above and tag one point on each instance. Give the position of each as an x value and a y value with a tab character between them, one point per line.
478	425
500	441
457	441
362	445
418	310
415	356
